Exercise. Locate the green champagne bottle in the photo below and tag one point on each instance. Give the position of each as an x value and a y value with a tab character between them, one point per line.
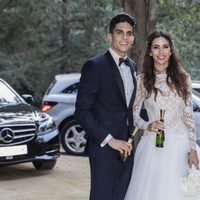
162	132
160	137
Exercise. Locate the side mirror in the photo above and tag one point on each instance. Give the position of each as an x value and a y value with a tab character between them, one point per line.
28	98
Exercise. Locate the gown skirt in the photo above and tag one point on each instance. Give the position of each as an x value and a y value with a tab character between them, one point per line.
157	172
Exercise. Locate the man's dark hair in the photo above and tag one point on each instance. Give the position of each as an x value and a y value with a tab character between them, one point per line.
122	17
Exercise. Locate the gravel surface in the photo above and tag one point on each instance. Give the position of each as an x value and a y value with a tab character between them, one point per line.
69	180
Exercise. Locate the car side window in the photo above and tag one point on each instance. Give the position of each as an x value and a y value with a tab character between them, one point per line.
197	89
195	107
72	89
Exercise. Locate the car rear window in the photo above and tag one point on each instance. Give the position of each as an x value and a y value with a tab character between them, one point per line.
71	89
50	87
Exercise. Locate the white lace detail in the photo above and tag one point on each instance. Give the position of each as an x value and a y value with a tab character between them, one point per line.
189	118
190	184
179	117
139	99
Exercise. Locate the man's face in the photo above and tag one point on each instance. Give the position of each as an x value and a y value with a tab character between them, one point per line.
122	38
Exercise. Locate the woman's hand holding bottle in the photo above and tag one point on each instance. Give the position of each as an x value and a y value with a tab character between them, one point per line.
155	126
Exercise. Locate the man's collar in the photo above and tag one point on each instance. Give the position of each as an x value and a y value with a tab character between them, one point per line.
115	56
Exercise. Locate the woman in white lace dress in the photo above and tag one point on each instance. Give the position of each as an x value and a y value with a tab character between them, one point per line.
163	84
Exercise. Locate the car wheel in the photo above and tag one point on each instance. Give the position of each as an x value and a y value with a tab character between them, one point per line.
73	138
44	164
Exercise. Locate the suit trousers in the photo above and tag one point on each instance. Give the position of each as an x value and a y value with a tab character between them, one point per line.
110	178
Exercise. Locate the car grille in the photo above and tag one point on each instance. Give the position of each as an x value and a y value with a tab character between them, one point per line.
16	134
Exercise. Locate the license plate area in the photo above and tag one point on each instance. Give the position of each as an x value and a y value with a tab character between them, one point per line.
13	151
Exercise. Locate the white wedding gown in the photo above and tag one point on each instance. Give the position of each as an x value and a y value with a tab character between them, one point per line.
157	172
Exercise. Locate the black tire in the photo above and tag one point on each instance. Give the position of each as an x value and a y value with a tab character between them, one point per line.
73	138
44	164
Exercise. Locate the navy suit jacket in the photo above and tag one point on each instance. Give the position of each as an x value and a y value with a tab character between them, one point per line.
101	107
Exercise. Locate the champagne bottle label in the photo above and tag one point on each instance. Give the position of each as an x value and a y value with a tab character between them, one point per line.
159	140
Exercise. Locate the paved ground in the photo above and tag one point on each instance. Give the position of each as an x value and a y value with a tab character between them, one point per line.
68	181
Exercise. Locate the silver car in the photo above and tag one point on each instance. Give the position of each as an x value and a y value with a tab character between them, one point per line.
59	102
196	108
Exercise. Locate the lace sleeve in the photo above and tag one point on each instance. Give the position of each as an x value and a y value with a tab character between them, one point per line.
139	99
189	120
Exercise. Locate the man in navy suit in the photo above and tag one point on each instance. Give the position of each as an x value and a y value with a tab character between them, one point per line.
104	109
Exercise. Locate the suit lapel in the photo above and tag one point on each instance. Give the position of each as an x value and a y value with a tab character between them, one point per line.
133	72
117	75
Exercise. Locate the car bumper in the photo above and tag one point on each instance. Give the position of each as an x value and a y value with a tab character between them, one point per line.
42	147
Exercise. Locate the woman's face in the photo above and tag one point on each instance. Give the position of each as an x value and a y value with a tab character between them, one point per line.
160	51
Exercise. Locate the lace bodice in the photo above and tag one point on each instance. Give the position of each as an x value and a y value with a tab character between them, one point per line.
176	111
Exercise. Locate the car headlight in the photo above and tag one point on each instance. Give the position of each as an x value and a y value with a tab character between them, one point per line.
45	123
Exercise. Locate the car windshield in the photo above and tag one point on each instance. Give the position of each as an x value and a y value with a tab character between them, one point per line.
7	96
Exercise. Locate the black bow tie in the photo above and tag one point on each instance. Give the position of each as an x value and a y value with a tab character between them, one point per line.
126	61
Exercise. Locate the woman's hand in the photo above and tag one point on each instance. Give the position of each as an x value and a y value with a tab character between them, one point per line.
193	159
155	126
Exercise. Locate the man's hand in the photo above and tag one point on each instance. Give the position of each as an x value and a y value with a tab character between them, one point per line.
121	146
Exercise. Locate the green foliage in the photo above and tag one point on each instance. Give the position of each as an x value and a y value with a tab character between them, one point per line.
88	29
33	47
181	18
31	43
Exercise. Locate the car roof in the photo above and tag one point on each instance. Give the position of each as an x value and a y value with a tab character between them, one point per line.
195	81
69	76
62	81
195	84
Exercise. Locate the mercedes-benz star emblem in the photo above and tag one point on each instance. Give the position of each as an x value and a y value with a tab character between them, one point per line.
7	135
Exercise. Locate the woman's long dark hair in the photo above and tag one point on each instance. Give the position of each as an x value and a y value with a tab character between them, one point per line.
176	75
